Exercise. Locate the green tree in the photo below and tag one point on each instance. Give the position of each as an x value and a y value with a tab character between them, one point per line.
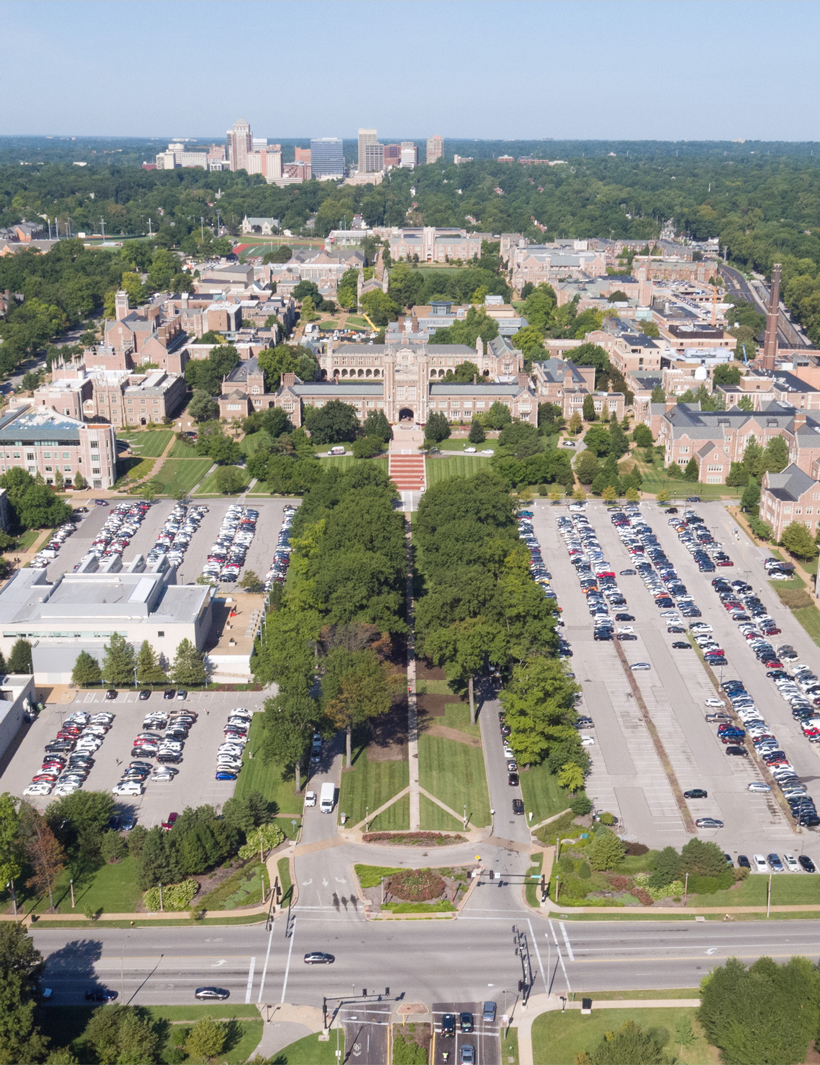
377	425
737	476
247	812
666	868
798	541
630	1043
281	253
658	395
149	667
690	471
80	481
587	467
367	447
436	428
356	687
251	582
11	844
589	409
498	416
21	967
476	434
539	707
726	374
576	423
519	440
751	495
287	358
288	724
46	857
571	776
213	442
775	455
606	850
642	435
598	440
334	423
79	822
753	458
122	1035
188	669
19	661
702	859
86	672
746	403
113	847
229	480
206	1039
203	408
465	373
118	662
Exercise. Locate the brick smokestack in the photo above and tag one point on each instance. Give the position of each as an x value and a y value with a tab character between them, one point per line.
770	340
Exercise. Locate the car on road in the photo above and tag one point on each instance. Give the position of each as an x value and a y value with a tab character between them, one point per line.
512	780
466	1054
758	785
695	793
807	863
518	806
100	994
708	822
639	666
209	994
319	957
127	787
488	1015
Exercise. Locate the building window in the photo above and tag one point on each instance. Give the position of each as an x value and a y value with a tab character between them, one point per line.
49	469
30	456
798	510
66	454
160	633
46	454
94	443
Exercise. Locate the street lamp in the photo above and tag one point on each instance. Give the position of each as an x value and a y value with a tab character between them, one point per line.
161	909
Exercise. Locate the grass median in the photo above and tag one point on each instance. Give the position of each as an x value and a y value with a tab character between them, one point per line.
181	475
558	1037
448	466
454	773
543	797
369	784
270	779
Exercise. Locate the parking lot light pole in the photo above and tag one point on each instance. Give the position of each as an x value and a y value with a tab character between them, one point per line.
161	910
71	885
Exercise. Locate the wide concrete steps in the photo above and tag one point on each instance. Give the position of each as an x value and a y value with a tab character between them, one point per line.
408	472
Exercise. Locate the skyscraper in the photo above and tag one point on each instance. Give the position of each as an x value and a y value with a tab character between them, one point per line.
435	148
240	145
327	158
366	137
409	155
373	158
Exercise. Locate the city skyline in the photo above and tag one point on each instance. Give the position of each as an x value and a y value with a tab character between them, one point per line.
618	54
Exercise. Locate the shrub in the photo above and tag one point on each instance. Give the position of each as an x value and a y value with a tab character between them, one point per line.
113	847
573	887
607	819
619	883
642	895
268	836
636	849
174	896
583	871
708	885
416	885
581	804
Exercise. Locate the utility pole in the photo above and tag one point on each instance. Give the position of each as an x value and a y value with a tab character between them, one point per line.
150	234
102	222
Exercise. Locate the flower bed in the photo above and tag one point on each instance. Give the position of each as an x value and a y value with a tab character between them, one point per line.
416	885
414	839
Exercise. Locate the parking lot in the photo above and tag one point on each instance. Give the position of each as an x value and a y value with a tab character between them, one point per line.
628	776
484	1037
193	786
260	553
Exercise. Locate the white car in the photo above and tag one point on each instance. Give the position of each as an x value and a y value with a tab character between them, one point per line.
625	629
791	863
760	863
310	798
67	788
587	741
41	788
717	703
469	451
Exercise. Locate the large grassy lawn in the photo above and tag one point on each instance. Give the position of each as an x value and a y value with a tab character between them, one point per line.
250	444
353	321
183	449
558	1037
457	716
346	460
371	784
66	1024
112	888
309	1051
458	444
181	475
133	469
454	773
150	444
209	487
654	481
394	818
542	796
434	819
809	618
269	779
442	469
788	889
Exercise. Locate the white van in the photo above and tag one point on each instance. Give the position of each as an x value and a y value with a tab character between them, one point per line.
327	797
127	787
337	451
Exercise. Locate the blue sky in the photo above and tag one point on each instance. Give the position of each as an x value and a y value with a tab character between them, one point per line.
652	69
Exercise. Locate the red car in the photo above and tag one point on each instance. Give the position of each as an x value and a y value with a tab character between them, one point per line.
169	824
49	778
771	632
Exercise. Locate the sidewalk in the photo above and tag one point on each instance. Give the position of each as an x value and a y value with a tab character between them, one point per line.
539	1004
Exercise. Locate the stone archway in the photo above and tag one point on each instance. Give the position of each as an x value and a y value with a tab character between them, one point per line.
406	415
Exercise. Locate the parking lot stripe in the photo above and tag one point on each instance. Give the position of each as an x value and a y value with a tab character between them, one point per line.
250	981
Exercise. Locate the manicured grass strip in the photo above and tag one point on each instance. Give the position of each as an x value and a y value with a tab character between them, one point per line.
371	876
433	687
667	992
454	773
655	481
371	784
181	475
509	1045
269	779
394	818
285	882
309	1051
787	890
252	443
459	443
434	819
809	618
28	539
183	449
442	469
133	469
542	796
242	888
209	485
346	460
150	445
558	1037
532	888
457	716
112	888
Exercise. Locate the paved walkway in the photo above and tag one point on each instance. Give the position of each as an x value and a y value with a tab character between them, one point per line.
539	1004
412	710
284	1024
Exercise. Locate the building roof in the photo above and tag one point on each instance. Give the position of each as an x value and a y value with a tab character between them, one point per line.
789	485
490	389
357	386
31	426
239	374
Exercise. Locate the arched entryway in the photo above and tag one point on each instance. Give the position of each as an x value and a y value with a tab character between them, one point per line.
406	415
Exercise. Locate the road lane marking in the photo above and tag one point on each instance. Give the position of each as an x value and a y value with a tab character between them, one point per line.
287	967
561	957
265	969
566	940
534	939
250	981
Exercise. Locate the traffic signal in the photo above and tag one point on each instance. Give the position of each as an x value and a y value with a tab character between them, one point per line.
492	874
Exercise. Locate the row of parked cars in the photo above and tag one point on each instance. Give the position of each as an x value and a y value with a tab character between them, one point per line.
119	529
69	757
227	556
229	755
605	601
49	552
281	556
163	742
177	532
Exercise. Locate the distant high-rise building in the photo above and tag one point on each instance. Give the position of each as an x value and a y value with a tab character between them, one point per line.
327	157
435	148
392	155
240	145
366	137
409	155
301	155
373	158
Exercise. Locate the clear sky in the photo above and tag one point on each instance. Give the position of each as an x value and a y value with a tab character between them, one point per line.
622	69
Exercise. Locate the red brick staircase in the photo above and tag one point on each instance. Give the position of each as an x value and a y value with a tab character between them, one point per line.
407	472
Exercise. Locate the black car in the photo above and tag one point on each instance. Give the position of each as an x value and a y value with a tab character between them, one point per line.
318	957
682	645
145	694
733	750
448	1025
100	994
465	1022
111	693
743	862
695	793
675	630
624	617
807	863
518	806
626	636
169	693
512	780
210	993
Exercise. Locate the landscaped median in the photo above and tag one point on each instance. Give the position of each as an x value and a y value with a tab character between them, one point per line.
390	891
